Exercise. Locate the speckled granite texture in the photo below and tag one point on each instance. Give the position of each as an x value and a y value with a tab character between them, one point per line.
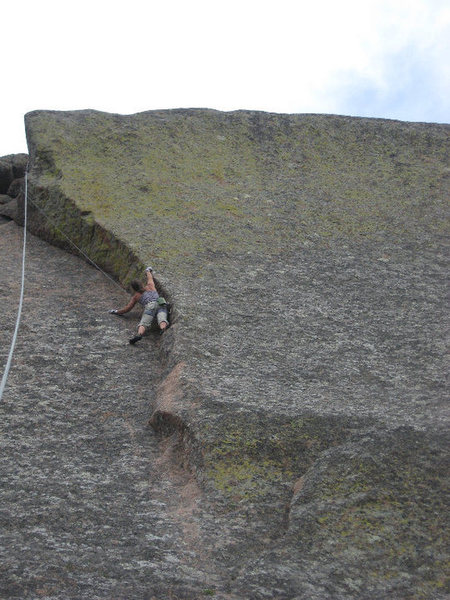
304	372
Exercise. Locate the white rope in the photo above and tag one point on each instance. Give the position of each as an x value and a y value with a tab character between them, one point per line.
19	312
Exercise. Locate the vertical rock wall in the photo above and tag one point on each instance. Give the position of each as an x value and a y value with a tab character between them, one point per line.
304	371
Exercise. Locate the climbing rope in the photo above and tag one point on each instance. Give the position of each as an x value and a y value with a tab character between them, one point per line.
27	199
52	223
22	287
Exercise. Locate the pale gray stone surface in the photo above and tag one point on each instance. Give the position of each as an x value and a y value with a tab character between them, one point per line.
304	375
90	505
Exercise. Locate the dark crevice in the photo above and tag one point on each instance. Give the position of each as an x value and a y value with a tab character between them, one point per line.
166	423
99	247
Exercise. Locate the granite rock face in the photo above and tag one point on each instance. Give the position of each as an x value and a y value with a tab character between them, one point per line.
12	168
304	372
12	172
91	504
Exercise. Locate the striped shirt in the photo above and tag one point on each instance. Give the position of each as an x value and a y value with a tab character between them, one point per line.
148	297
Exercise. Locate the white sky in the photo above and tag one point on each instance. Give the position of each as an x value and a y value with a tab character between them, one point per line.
372	58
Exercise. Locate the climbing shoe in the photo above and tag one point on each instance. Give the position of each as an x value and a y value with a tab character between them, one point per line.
135	339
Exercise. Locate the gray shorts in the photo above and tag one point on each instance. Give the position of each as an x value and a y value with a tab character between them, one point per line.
151	310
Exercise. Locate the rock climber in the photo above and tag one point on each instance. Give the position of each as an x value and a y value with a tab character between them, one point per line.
154	306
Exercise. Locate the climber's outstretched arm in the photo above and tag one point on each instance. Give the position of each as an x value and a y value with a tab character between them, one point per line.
128	307
150	287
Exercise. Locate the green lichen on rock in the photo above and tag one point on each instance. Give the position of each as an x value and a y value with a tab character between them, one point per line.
380	506
253	457
222	178
305	256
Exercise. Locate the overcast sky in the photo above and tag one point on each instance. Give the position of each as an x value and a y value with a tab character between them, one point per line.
372	58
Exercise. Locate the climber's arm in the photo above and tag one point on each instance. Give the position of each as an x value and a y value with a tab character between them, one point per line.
129	306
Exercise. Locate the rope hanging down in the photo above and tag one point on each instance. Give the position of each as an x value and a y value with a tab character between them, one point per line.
19	312
74	245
